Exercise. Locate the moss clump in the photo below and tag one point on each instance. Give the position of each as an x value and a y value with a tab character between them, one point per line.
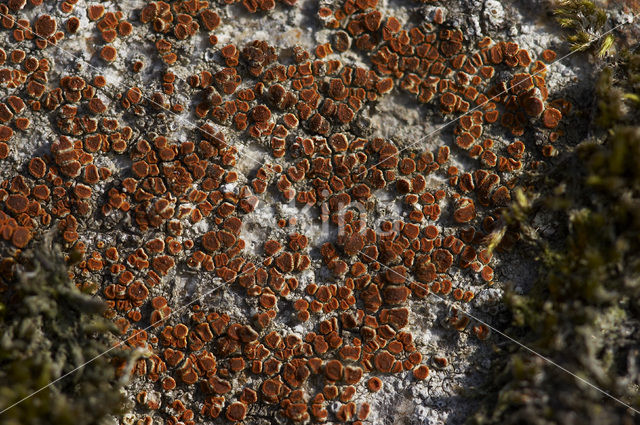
618	91
47	329
584	23
584	311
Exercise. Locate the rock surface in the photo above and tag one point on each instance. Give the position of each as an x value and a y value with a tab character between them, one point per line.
261	189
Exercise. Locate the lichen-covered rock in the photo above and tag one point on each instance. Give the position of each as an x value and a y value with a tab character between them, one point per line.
281	201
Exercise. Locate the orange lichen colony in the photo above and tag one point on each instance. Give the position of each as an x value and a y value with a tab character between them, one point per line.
301	110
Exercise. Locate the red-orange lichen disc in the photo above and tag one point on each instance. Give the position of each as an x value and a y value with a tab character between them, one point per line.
374	384
236	411
421	372
551	117
108	53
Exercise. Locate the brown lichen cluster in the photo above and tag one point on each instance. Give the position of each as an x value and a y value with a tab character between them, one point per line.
302	107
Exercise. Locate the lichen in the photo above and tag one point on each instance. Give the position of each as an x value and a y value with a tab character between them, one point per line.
239	204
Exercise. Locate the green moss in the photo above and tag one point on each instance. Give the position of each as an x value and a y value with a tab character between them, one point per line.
583	311
47	329
584	23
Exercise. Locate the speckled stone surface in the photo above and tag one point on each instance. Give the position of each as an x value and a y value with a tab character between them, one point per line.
276	222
